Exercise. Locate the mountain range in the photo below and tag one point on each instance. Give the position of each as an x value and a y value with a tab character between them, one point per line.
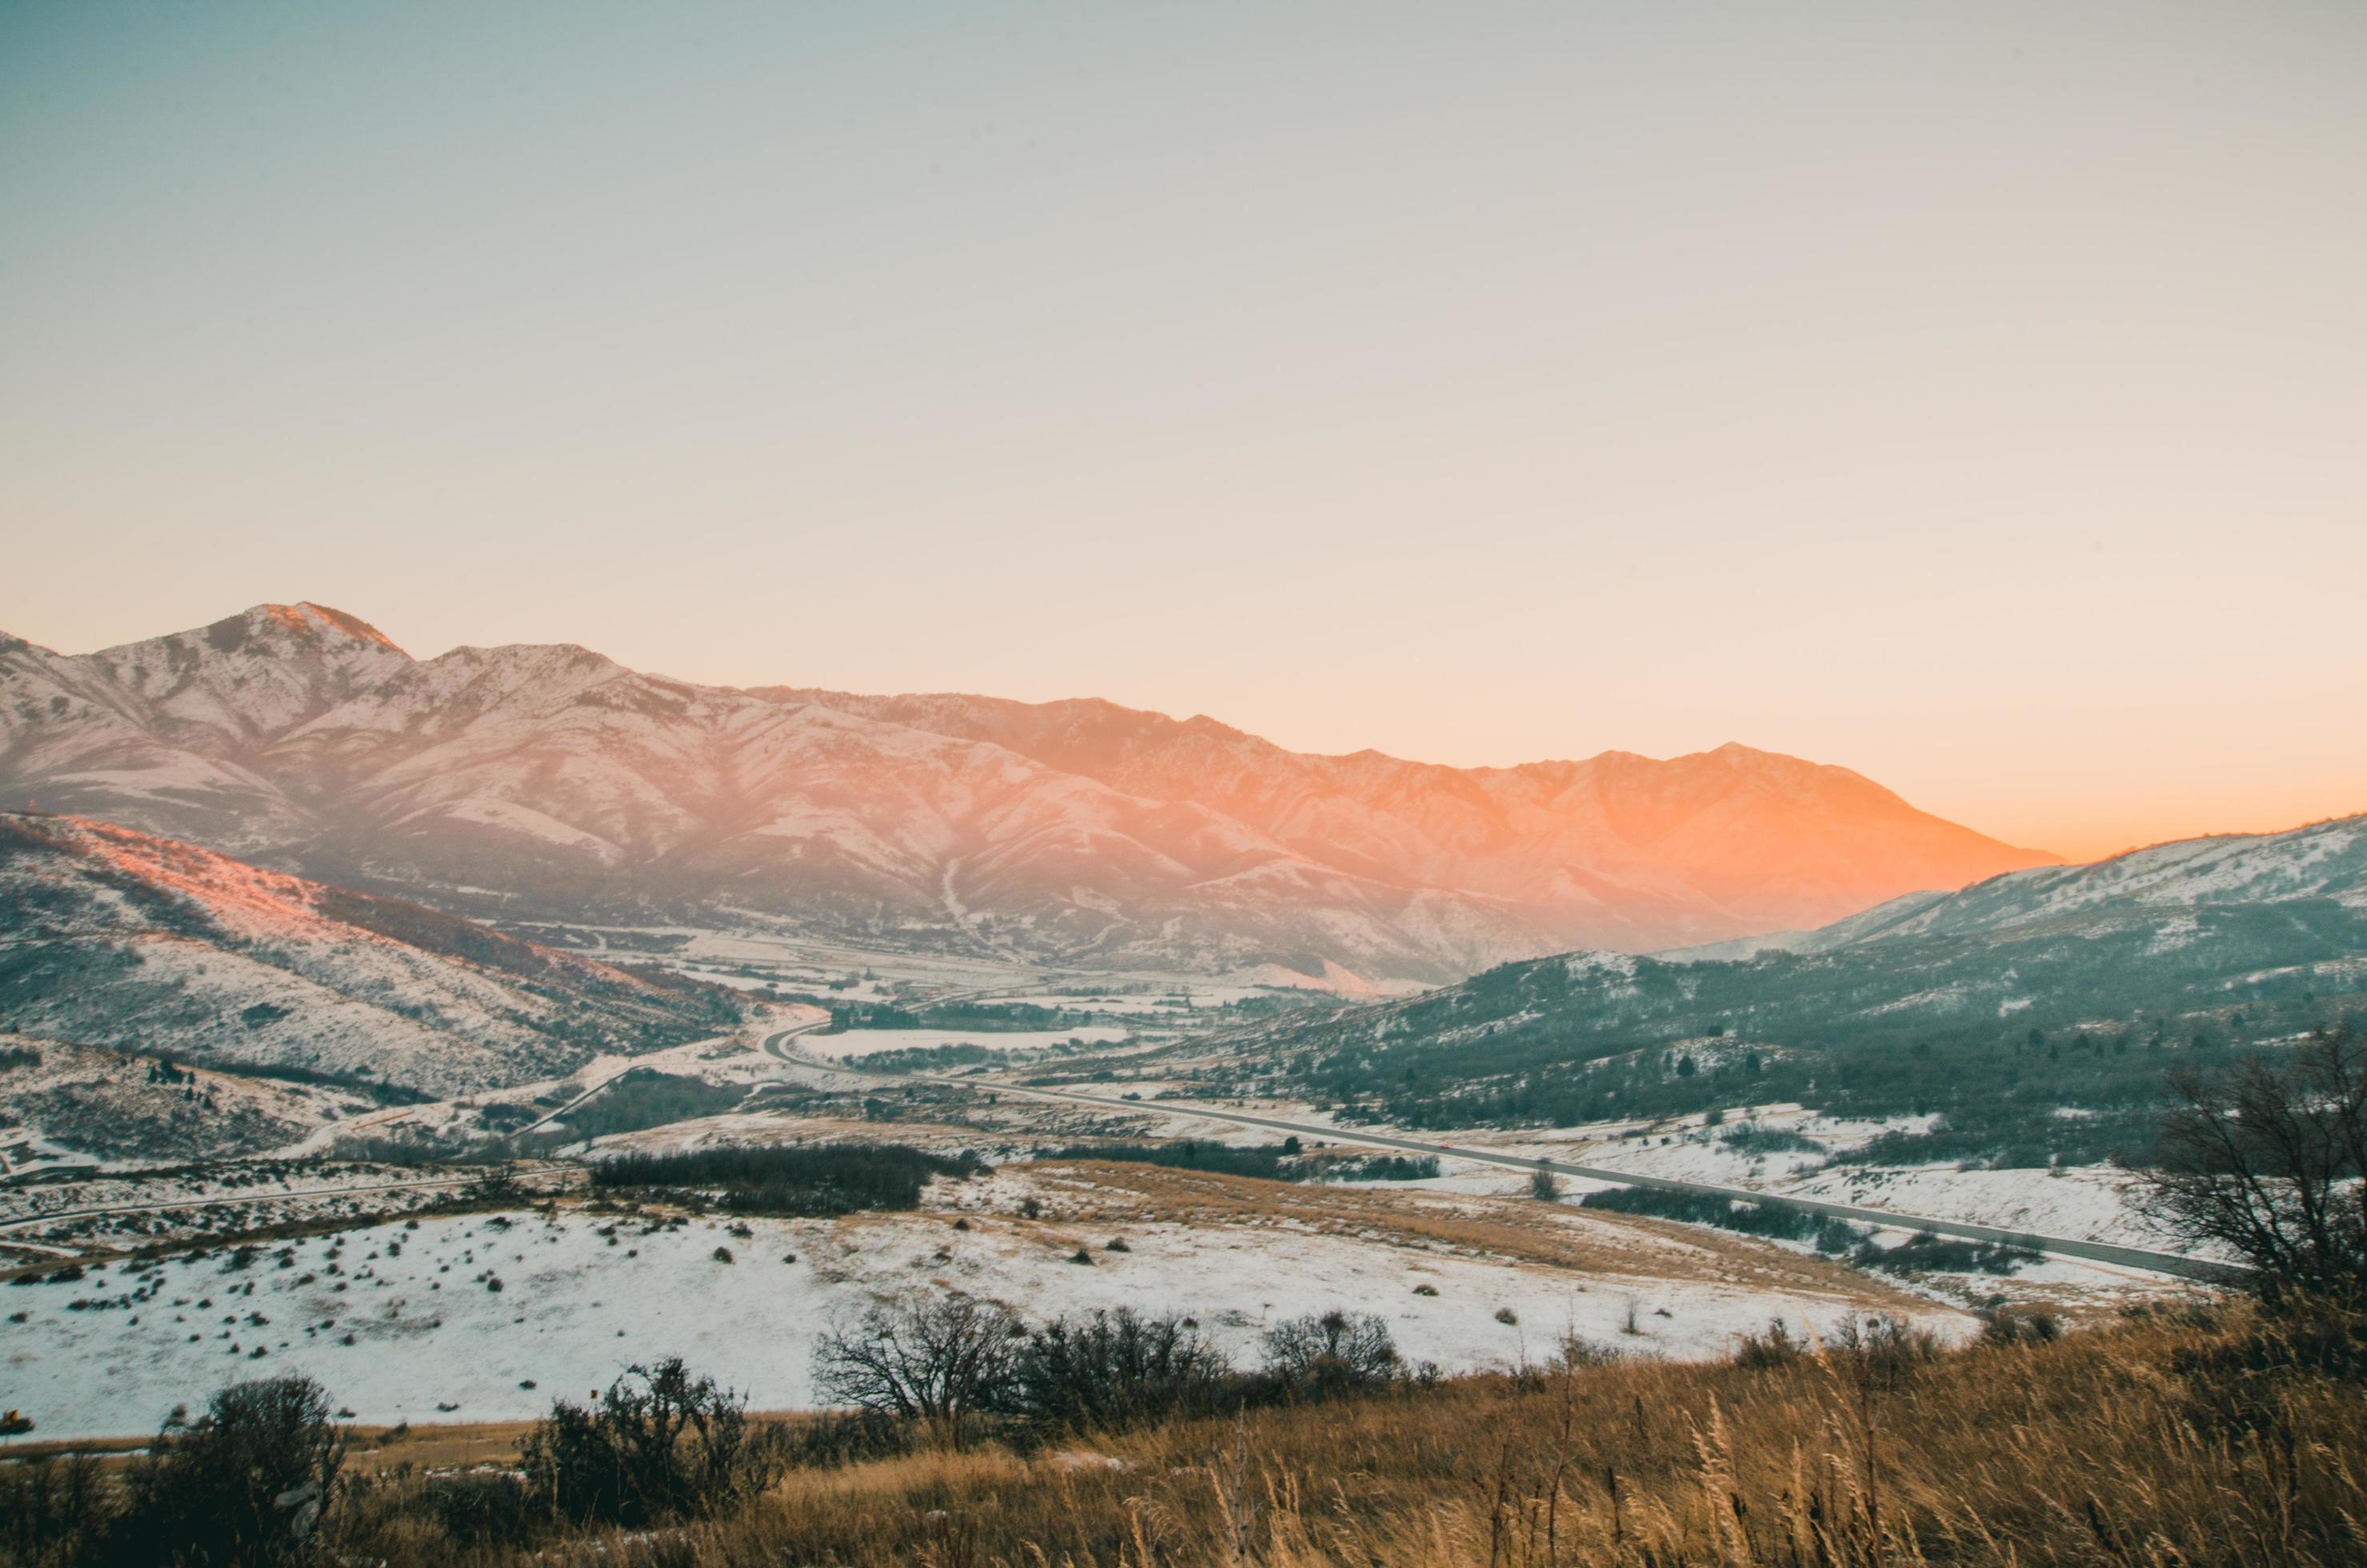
548	781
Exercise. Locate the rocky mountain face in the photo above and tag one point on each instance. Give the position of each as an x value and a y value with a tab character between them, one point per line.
553	781
120	939
1619	846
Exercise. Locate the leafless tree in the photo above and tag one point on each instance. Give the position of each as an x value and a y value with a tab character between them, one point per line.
1332	1352
2266	1159
937	1358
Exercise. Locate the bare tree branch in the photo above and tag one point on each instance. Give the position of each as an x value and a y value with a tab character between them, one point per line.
2266	1161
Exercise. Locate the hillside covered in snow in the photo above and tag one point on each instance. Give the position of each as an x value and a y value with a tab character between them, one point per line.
558	782
2033	1013
139	944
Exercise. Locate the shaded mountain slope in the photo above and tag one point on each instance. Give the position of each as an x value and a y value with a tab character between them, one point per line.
119	939
2026	996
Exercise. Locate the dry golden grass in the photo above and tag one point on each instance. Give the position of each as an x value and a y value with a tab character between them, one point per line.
1520	1229
458	1445
58	1447
2148	1443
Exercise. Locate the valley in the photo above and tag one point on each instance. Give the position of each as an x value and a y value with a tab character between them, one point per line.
372	1129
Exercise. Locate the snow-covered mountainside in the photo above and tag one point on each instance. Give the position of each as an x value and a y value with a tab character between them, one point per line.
2003	1008
2322	860
73	1103
1077	832
1616	845
119	940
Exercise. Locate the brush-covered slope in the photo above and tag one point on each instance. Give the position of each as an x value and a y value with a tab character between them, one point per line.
2042	990
1075	832
117	938
71	1103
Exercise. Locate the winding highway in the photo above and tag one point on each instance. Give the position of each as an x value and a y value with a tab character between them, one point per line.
2033	1241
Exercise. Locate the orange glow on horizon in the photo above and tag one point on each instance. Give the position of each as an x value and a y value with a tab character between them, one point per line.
1969	397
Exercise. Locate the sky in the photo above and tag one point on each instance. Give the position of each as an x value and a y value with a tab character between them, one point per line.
1974	395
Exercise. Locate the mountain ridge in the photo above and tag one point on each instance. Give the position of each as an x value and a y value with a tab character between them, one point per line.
1078	831
2326	858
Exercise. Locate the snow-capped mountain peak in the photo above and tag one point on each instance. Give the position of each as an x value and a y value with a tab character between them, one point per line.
1078	830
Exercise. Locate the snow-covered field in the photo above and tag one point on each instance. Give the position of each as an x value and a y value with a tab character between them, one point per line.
2097	1203
403	1323
2088	1203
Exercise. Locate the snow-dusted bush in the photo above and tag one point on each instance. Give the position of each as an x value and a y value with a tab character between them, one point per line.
2020	1325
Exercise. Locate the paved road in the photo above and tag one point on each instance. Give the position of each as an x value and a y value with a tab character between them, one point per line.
776	1045
2059	1246
623	1070
542	1122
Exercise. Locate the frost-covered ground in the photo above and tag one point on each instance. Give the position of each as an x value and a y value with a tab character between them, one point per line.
2086	1202
80	1219
403	1324
258	1181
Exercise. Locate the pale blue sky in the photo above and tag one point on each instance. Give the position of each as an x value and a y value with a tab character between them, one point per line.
1968	393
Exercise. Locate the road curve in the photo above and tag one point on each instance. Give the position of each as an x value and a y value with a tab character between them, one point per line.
772	1044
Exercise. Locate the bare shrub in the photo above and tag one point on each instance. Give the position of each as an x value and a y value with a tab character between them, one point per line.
849	1437
660	1444
1573	1352
1881	1351
2264	1160
483	1509
943	1360
1118	1369
1332	1353
2020	1325
1776	1346
53	1510
245	1484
